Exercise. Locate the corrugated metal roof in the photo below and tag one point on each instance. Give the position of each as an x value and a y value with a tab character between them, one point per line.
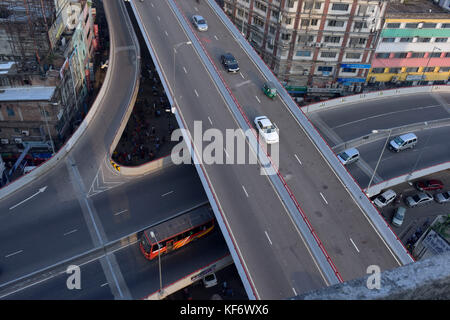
27	94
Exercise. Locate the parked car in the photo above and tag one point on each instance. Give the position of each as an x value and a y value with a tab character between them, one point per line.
200	23
429	185
348	156
210	280
443	197
385	198
399	216
267	129
229	62
418	199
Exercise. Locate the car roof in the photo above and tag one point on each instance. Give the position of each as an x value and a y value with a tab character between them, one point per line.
407	136
388	192
198	17
228	55
351	151
265	122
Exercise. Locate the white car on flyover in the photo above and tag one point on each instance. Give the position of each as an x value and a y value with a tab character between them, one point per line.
267	130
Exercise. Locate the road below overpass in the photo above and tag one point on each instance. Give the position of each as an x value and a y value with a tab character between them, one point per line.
276	260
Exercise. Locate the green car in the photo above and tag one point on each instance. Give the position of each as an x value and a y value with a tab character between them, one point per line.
270	90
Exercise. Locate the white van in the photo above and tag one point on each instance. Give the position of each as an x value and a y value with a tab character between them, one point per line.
348	156
405	141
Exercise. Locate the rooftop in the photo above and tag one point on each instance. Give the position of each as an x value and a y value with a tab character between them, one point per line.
29	93
416	9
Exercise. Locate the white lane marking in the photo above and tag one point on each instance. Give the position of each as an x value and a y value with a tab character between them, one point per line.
354	245
14	253
258	99
185	71
245	191
210	121
166	194
323	198
267	235
72	231
30	197
295	292
104	284
166	33
151	3
117	213
215	37
242	83
242	76
297	158
196	93
159	19
195	8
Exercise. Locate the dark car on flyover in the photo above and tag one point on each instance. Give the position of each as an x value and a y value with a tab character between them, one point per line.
429	185
229	62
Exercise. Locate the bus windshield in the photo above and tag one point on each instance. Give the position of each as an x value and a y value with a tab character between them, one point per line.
145	244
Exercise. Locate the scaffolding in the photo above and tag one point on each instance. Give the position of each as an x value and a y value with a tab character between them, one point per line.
25	25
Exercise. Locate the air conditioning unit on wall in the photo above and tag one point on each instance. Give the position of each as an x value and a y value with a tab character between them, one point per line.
4	141
26	132
17	140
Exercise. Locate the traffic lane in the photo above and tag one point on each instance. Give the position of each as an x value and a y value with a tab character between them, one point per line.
432	148
148	200
94	286
142	275
383	113
351	260
445	97
262	263
43	230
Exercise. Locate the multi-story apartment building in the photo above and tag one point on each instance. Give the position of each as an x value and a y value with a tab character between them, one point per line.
312	43
414	45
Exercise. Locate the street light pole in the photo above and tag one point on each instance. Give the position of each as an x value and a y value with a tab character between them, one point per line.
48	128
381	155
429	58
161	291
174	54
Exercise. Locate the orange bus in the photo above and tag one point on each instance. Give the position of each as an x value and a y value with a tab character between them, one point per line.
177	232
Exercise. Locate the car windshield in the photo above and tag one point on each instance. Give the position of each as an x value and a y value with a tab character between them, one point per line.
145	244
209	277
398	140
416	198
273	91
382	199
230	60
344	155
446	195
269	129
201	21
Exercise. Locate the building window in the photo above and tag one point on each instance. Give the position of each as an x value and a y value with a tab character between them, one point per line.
260	6
335	23
435	55
288	20
428	25
417	55
290	3
340	6
440	39
445	25
393	25
308	5
400	55
332	39
378	70
305	38
360	25
388	40
412	69
423	40
317	5
305	22
314	22
275	14
10	111
353	55
285	36
328	54
411	25
349	70
444	69
362	9
324	69
303	53
257	21
382	55
395	70
428	69
406	39
272	29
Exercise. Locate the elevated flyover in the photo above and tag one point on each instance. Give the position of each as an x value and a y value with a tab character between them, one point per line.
305	226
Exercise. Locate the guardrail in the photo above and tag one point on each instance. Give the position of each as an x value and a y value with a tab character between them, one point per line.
371	137
364	97
149	167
